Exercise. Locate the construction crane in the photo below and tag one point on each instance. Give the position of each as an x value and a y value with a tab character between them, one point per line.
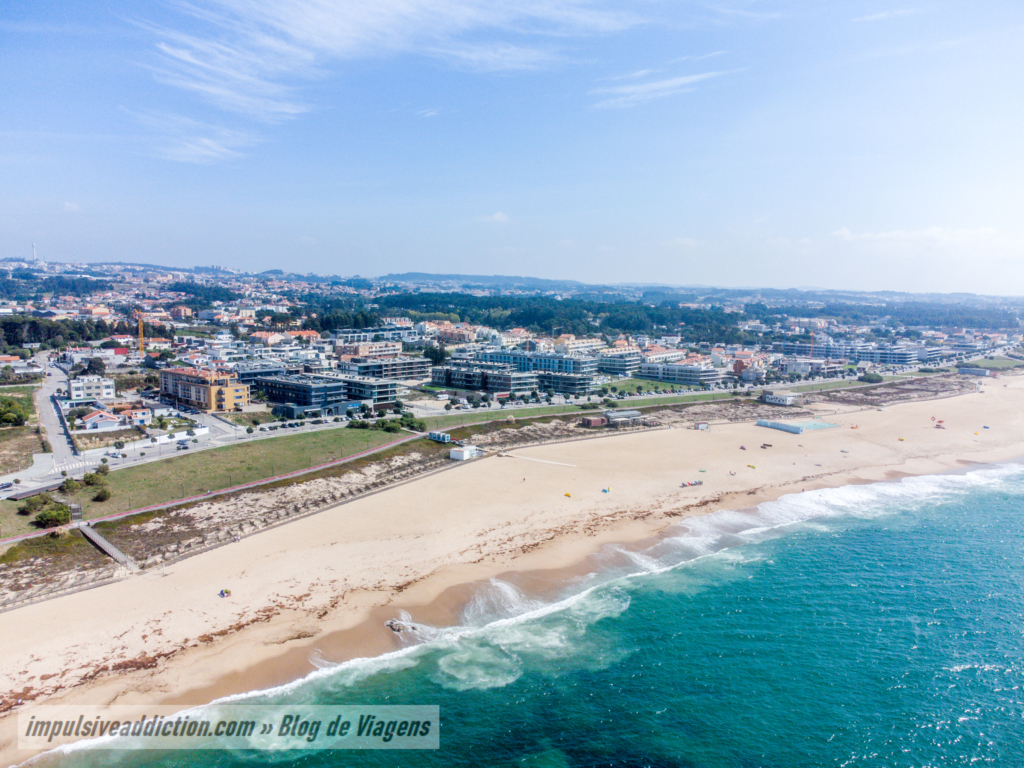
142	345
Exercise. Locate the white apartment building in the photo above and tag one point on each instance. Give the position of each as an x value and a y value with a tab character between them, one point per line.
92	388
682	373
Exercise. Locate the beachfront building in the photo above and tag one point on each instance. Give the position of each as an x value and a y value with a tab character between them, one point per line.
816	366
496	378
205	391
620	362
91	388
859	351
571	384
248	372
325	394
579	370
689	374
780	398
403	368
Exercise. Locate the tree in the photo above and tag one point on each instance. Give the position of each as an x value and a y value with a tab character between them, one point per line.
35	504
436	355
95	367
58	514
102	494
249	430
448	405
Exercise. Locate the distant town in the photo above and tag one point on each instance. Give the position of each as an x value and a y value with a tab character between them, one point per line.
136	356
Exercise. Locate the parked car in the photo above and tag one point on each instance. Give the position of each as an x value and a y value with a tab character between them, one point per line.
5	486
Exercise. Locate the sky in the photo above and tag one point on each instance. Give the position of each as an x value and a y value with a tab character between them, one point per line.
861	144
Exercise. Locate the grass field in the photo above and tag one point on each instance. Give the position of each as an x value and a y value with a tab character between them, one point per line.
494	414
24	396
74	545
17	444
673	399
219	468
996	364
245	419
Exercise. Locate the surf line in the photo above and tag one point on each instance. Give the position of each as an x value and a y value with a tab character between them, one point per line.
542	461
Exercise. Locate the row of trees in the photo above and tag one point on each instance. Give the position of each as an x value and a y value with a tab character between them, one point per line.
202	296
547	315
22	285
18	330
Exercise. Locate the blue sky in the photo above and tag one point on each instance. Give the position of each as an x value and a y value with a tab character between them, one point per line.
862	145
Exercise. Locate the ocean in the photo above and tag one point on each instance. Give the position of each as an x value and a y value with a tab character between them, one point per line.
871	625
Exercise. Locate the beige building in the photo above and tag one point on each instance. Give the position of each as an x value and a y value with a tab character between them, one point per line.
204	390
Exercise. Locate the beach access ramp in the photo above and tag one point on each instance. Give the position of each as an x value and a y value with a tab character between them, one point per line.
102	544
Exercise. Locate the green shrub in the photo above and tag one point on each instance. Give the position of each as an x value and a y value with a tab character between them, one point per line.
58	514
102	494
34	504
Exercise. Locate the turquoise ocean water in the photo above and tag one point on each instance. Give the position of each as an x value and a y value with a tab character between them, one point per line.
875	625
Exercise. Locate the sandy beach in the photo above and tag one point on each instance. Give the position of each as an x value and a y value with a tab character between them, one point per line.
327	582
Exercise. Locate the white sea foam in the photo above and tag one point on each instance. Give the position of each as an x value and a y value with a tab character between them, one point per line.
501	625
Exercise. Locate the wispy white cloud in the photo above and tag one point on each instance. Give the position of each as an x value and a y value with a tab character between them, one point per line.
622	96
249	55
636	75
494	218
893	14
191	141
641	73
252	57
428	113
493	57
72	207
